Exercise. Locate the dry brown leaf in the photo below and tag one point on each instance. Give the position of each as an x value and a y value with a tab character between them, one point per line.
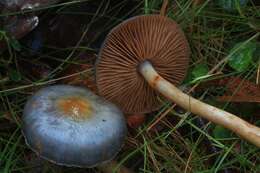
135	120
239	90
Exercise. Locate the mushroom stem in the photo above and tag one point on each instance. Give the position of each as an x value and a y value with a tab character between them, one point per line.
213	114
113	167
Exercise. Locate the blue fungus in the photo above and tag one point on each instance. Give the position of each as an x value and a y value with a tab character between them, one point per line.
71	126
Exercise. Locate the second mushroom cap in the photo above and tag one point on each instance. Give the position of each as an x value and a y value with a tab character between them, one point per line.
153	37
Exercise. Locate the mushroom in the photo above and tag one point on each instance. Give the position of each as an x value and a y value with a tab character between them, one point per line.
71	126
19	24
151	52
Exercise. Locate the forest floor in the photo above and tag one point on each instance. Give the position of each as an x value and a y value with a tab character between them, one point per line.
224	71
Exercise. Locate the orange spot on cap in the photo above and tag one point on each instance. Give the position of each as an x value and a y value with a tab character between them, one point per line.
75	107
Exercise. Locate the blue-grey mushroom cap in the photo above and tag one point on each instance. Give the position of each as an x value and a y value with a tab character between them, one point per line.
71	126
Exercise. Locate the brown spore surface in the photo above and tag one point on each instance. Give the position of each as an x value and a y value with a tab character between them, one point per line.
155	38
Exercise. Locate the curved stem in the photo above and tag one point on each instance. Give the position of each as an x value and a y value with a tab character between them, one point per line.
213	114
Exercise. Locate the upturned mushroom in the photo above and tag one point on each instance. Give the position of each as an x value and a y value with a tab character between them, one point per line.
71	126
148	55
